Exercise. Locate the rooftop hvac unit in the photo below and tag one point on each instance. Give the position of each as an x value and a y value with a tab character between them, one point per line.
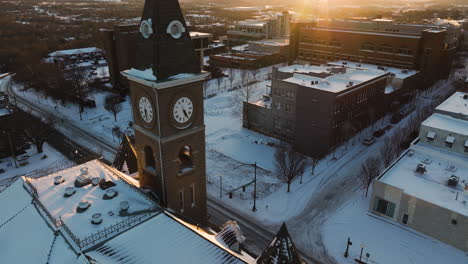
58	180
96	219
427	161
69	191
453	181
451	168
421	168
82	206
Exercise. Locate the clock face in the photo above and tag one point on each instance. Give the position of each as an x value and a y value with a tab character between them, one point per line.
146	109
146	28
183	110
175	29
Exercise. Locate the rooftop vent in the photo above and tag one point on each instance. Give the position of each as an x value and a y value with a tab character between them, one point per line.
82	181
453	181
124	205
404	71
110	193
58	180
427	161
95	181
421	168
349	84
84	171
465	96
96	219
82	206
231	235
451	168
69	191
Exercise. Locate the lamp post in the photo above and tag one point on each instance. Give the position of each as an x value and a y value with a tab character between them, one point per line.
362	248
254	208
349	243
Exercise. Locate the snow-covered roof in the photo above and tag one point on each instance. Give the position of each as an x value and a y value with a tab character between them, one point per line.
398	72
194	34
447	123
26	237
251	23
431	186
164	239
368	33
70	52
456	106
4	112
272	42
336	81
65	208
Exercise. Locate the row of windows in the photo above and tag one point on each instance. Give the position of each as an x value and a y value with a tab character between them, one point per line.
385	48
283	92
333	42
449	140
283	124
351	101
283	106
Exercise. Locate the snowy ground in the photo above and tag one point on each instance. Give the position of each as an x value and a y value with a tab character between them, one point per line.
386	241
35	162
97	120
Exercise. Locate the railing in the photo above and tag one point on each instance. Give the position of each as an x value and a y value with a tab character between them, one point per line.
35	174
115	228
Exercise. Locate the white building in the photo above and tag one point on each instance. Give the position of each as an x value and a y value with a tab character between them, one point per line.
427	187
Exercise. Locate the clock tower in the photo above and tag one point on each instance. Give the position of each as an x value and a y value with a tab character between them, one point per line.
167	99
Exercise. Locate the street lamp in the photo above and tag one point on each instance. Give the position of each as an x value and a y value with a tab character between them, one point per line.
362	248
254	208
349	243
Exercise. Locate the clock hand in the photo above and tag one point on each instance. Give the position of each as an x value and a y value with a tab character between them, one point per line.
185	113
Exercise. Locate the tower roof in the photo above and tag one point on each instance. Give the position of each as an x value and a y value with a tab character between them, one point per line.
280	250
164	44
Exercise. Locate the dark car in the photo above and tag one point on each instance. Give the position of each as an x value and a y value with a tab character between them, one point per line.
379	133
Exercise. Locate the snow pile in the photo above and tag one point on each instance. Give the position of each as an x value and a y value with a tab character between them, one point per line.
145	74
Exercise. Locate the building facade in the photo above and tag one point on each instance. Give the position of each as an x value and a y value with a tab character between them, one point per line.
318	107
426	48
427	187
251	30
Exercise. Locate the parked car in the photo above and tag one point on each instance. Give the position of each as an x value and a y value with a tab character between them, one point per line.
369	141
396	118
379	133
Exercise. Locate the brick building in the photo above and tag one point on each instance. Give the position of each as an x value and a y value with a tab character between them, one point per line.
426	48
318	107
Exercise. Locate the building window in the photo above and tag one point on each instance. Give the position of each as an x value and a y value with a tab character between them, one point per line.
405	219
335	43
367	46
454	222
385	48
404	51
466	146
185	159
149	158
430	136
384	207
192	195
181	200
449	141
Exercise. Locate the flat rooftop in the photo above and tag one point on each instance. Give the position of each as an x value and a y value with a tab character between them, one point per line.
431	186
70	52
456	105
447	123
358	31
334	83
195	35
272	42
398	72
65	208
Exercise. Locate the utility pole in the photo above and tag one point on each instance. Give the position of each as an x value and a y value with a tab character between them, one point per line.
220	186
254	208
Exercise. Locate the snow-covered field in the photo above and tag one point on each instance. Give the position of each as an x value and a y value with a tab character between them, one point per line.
386	241
97	121
35	162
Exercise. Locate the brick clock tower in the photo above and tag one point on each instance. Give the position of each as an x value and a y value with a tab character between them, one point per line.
167	99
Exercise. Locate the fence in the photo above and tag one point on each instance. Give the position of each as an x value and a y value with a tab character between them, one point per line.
35	174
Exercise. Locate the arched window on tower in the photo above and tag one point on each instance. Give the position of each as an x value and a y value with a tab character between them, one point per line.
149	158
185	159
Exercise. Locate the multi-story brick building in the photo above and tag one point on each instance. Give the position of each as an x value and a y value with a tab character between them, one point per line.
426	48
318	107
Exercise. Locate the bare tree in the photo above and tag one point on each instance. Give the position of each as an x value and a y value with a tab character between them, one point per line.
254	73
232	76
113	104
369	171
313	163
244	74
36	131
78	81
386	151
288	163
219	81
